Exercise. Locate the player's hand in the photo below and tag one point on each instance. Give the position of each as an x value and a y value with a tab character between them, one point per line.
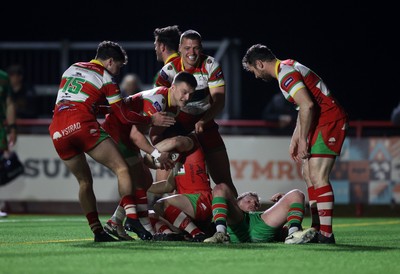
293	151
199	126
276	197
165	161
161	119
302	151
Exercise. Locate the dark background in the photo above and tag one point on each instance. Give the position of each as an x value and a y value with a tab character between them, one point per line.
351	45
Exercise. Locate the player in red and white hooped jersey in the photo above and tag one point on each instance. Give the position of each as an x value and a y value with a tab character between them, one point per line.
199	114
166	44
75	131
131	139
320	130
293	76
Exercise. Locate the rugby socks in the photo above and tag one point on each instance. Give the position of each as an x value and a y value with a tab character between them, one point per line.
160	226
313	207
142	208
180	220
325	199
295	217
118	216
128	203
94	222
220	213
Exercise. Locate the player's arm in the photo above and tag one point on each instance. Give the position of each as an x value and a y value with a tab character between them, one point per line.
164	186
177	144
303	100
140	140
218	103
121	109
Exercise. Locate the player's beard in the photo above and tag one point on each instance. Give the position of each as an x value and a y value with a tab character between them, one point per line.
266	77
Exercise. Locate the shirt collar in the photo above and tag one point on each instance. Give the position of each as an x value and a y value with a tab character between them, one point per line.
173	55
96	62
278	62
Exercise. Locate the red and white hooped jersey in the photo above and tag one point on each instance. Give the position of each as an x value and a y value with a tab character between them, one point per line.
292	76
148	102
208	74
88	83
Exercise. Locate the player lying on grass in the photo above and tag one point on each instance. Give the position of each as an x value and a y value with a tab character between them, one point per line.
238	221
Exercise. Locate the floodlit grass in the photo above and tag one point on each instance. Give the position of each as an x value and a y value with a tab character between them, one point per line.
64	244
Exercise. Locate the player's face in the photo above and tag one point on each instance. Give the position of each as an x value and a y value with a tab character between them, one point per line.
181	94
190	51
259	73
114	67
157	48
249	203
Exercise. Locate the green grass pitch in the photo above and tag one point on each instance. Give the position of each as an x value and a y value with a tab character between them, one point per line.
64	244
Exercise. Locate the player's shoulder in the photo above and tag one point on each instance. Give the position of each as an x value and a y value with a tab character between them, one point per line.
83	69
288	62
155	99
173	65
287	66
156	91
169	70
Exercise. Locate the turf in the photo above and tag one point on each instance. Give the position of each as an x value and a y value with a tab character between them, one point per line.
64	244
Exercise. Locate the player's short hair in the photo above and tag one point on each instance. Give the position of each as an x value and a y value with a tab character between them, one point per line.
186	77
257	52
169	36
109	49
249	193
192	35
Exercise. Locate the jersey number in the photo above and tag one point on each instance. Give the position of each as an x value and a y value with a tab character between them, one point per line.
73	85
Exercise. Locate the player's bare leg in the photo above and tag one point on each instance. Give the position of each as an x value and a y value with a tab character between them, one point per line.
319	170
220	169
79	166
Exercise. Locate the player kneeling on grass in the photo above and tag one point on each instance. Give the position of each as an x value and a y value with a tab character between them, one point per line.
189	208
237	220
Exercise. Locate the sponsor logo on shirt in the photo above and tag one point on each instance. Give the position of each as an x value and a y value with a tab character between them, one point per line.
288	81
219	74
163	75
157	106
78	75
57	135
332	141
